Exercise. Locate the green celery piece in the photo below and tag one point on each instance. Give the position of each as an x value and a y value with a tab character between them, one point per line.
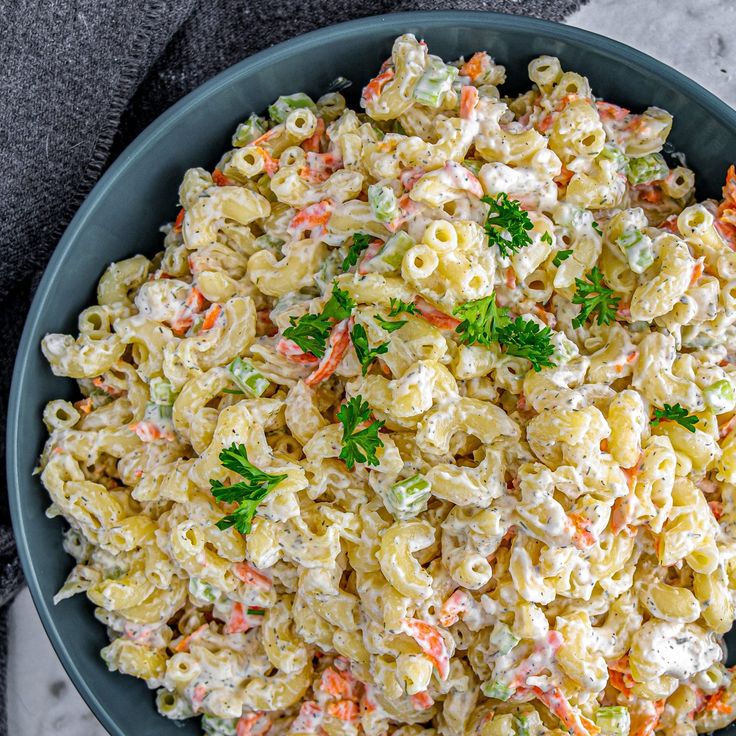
247	378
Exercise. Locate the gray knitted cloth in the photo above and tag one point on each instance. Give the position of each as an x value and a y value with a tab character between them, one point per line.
80	79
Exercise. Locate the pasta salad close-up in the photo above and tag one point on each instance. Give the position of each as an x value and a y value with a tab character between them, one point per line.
422	421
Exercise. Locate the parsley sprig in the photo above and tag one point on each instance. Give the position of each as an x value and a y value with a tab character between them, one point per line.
507	225
360	242
311	331
675	413
483	322
248	493
397	307
366	354
358	446
595	298
560	256
526	339
400	307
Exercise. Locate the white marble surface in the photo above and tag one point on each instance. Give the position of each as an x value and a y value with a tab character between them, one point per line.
694	36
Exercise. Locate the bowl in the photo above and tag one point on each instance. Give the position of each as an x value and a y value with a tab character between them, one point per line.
138	193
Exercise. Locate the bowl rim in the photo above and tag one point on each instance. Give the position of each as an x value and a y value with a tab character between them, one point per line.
158	128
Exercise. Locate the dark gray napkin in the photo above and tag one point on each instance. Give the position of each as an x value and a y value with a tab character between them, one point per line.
79	81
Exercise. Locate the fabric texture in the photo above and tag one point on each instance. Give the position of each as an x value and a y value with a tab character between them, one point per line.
80	80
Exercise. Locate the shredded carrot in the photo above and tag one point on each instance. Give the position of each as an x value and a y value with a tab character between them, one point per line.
717	508
670	224
250	575
309	718
183	644
220	179
582	536
264	324
729	188
313	143
338	344
545	123
510	278
476	65
345	710
267	135
648	724
649	193
375	86
210	318
434	316
469	99
604	445
422	700
179	220
726	428
238	622
106	387
339	684
253	724
453	607
716	701
373	249
84	405
430	641
291	351
609	111
311	217
198	695
622	681
571	718
697	272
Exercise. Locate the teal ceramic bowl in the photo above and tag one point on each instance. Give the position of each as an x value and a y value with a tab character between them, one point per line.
122	215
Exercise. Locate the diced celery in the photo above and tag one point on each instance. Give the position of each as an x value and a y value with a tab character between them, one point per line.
435	82
202	591
247	378
286	104
269	243
392	254
719	396
613	720
408	497
565	349
162	392
383	202
503	639
522	725
213	726
496	690
159	414
254	127
613	153
637	248
473	164
644	169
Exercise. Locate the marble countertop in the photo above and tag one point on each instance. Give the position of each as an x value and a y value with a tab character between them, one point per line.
690	35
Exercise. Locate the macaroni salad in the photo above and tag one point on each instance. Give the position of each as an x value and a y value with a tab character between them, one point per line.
421	423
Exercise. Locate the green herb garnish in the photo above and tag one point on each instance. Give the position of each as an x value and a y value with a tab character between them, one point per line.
562	255
390	325
399	307
675	413
360	242
595	298
311	331
597	228
546	238
481	320
366	354
526	339
358	446
507	225
248	493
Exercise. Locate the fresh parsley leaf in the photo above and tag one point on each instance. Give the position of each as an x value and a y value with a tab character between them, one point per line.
526	339
358	446
595	298
562	255
234	391
339	306
546	238
507	224
248	493
398	307
366	354
311	331
390	325
360	242
481	320
675	413
597	228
